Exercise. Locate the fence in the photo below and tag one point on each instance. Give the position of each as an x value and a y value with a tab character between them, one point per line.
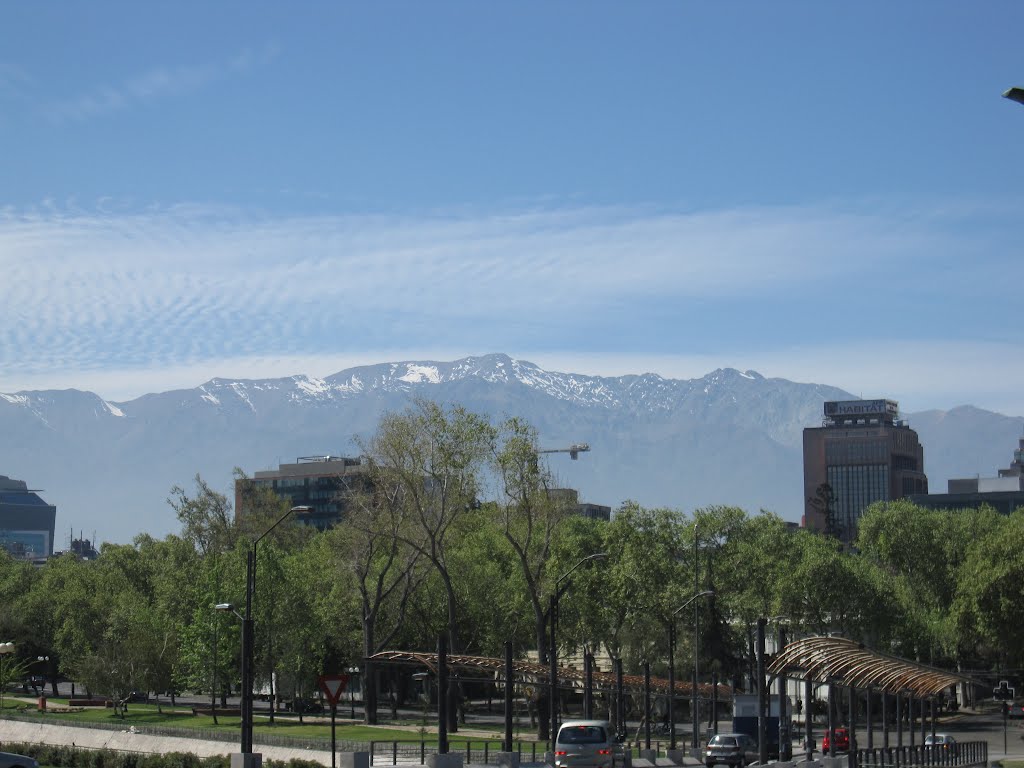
969	753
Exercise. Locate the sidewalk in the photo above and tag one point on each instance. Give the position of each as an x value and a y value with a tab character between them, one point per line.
128	741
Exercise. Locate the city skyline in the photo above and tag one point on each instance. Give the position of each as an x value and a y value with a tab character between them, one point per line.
817	193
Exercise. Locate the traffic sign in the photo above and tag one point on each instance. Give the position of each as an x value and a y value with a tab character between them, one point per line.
332	686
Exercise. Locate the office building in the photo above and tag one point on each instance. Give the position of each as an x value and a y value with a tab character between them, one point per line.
571	498
1004	493
862	453
325	484
27	523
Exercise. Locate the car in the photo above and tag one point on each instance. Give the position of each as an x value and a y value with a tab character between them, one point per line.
1014	710
842	741
305	706
736	749
943	740
586	744
11	760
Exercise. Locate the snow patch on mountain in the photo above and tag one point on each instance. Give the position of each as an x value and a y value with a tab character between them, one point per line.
418	374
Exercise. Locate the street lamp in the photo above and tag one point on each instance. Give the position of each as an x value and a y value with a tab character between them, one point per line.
672	665
247	637
5	649
1014	94
552	651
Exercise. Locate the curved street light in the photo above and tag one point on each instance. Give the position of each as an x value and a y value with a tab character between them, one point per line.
553	650
672	665
247	637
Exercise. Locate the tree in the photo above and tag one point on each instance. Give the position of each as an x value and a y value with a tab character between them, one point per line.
205	518
529	517
371	550
433	456
990	595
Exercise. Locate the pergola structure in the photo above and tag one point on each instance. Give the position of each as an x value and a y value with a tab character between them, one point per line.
850	664
529	673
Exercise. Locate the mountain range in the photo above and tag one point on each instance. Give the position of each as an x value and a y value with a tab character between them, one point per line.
730	437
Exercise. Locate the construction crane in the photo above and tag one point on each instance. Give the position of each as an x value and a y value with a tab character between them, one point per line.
573	450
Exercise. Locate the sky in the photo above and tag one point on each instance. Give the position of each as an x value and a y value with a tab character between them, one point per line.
821	192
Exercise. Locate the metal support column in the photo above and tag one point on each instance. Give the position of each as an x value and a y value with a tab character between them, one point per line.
509	677
784	741
647	704
899	721
620	704
442	694
808	720
762	697
588	685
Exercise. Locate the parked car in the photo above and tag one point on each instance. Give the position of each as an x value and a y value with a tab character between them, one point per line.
586	744
736	749
842	740
947	742
305	706
11	760
1015	710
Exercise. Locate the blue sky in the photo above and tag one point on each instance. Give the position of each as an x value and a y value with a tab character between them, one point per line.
818	191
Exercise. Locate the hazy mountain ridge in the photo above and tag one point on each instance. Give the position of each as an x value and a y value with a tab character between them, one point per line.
728	437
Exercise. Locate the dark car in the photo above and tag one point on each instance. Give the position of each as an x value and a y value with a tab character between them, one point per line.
1014	710
305	706
736	749
11	760
842	740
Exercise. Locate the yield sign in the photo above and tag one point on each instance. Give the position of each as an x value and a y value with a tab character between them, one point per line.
332	686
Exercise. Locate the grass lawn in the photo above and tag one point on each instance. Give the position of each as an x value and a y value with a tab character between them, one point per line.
284	724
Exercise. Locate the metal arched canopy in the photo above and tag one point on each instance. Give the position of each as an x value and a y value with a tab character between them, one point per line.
534	674
844	662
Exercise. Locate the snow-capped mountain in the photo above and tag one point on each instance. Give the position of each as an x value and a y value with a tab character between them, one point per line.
729	437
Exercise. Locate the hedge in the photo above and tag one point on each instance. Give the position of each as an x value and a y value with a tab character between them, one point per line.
72	757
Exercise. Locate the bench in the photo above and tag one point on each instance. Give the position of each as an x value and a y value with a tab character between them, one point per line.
90	703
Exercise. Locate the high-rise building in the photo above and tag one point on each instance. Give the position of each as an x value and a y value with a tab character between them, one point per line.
27	523
862	453
322	483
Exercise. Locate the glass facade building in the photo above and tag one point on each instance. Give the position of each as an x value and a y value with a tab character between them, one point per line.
27	523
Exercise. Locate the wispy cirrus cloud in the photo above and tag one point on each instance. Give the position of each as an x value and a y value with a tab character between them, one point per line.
126	299
158	82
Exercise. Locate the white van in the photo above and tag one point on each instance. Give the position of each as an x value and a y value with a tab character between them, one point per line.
587	744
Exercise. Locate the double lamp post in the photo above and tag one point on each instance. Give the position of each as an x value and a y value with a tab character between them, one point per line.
247	641
553	649
672	668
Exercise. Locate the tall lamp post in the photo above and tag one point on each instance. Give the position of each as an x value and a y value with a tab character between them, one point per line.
553	650
672	665
247	638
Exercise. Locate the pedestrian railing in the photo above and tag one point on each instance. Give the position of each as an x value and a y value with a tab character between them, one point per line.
961	755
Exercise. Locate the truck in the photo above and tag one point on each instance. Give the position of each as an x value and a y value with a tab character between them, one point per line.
744	720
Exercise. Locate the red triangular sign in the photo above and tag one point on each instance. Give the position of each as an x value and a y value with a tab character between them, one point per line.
332	686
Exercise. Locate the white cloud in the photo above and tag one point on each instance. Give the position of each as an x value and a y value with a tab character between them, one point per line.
129	302
105	98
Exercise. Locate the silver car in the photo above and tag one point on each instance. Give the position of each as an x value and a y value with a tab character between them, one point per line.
585	744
